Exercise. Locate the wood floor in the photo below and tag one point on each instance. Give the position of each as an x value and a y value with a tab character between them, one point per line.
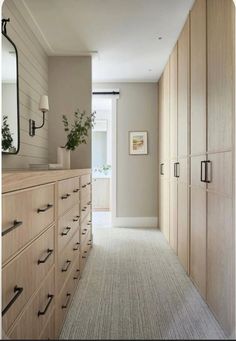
134	287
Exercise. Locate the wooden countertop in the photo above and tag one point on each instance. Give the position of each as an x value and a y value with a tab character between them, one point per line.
20	179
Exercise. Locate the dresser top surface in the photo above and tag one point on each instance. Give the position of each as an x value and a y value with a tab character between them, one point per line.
13	180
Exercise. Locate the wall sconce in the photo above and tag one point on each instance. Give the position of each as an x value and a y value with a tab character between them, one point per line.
44	107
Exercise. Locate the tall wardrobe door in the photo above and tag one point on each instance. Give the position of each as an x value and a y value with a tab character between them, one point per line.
173	207
220	245
183	220
173	105
166	99
161	119
164	208
183	90
198	146
220	42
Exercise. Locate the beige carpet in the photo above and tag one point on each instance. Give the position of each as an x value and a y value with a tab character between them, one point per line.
133	287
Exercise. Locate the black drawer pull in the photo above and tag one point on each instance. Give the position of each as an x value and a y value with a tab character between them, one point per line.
50	298
89	224
67	301
66	196
16	224
49	252
76	190
78	274
84	209
67	263
45	208
177	169
76	219
66	231
161	168
84	257
18	291
83	233
208	175
203	172
89	203
89	244
89	183
76	248
84	186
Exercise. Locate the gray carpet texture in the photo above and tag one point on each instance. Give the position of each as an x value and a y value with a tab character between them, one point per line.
133	287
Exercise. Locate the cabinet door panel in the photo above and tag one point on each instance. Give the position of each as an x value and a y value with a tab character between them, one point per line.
173	214
198	239
220	268
161	119
220	45
173	105
166	111
183	234
164	207
198	77
183	90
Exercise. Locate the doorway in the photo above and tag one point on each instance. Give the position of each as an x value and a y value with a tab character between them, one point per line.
102	161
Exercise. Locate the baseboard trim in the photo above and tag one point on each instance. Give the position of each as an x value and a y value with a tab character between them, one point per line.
135	222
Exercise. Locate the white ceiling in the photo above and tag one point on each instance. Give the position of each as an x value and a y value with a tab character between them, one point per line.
121	35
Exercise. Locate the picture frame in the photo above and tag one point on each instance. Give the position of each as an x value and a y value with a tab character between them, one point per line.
138	142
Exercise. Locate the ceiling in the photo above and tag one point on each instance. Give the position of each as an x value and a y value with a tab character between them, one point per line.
122	36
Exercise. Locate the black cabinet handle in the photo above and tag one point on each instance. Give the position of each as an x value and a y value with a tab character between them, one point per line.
18	291
16	224
65	196
68	295
50	298
208	169
203	172
177	167
45	208
76	219
175	170
66	266
76	190
49	252
89	244
161	168
76	248
78	274
89	183
84	257
66	231
89	203
84	209
84	186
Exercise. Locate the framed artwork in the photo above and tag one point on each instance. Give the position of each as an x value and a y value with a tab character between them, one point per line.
138	143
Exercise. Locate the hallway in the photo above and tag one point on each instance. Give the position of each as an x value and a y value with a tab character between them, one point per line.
134	287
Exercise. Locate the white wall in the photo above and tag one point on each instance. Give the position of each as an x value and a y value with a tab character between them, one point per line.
136	175
33	82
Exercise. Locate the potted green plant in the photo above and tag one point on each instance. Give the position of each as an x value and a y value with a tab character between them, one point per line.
7	139
76	134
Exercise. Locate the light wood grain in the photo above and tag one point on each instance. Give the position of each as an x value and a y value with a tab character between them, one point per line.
48	332
15	274
198	77
220	61
183	233
161	118
183	90
30	325
174	214
173	104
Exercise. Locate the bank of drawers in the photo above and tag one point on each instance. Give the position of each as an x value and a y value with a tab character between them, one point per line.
68	194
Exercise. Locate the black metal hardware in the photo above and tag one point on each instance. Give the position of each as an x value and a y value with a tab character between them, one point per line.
89	183
76	248
203	173
4	25
45	208
106	92
16	224
68	228
67	263
18	291
83	233
89	203
67	301
89	244
76	219
84	257
65	196
208	176
84	209
84	186
177	172
76	190
161	168
32	124
78	274
49	252
50	298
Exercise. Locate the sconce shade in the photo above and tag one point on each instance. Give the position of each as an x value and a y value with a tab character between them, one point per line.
43	104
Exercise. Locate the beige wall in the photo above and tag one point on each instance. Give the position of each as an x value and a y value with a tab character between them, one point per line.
33	82
136	175
69	89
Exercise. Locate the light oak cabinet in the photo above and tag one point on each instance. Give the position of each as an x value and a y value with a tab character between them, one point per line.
201	196
41	270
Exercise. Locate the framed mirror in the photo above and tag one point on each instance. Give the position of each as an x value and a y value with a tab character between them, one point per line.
10	95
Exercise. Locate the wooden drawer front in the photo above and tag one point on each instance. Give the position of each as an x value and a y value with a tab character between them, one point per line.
85	195
49	331
22	276
37	313
85	210
85	228
68	194
67	226
85	180
66	295
66	260
33	210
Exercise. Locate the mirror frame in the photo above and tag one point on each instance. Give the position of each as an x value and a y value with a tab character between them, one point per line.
17	95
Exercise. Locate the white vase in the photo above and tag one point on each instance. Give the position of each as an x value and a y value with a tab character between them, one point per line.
63	157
